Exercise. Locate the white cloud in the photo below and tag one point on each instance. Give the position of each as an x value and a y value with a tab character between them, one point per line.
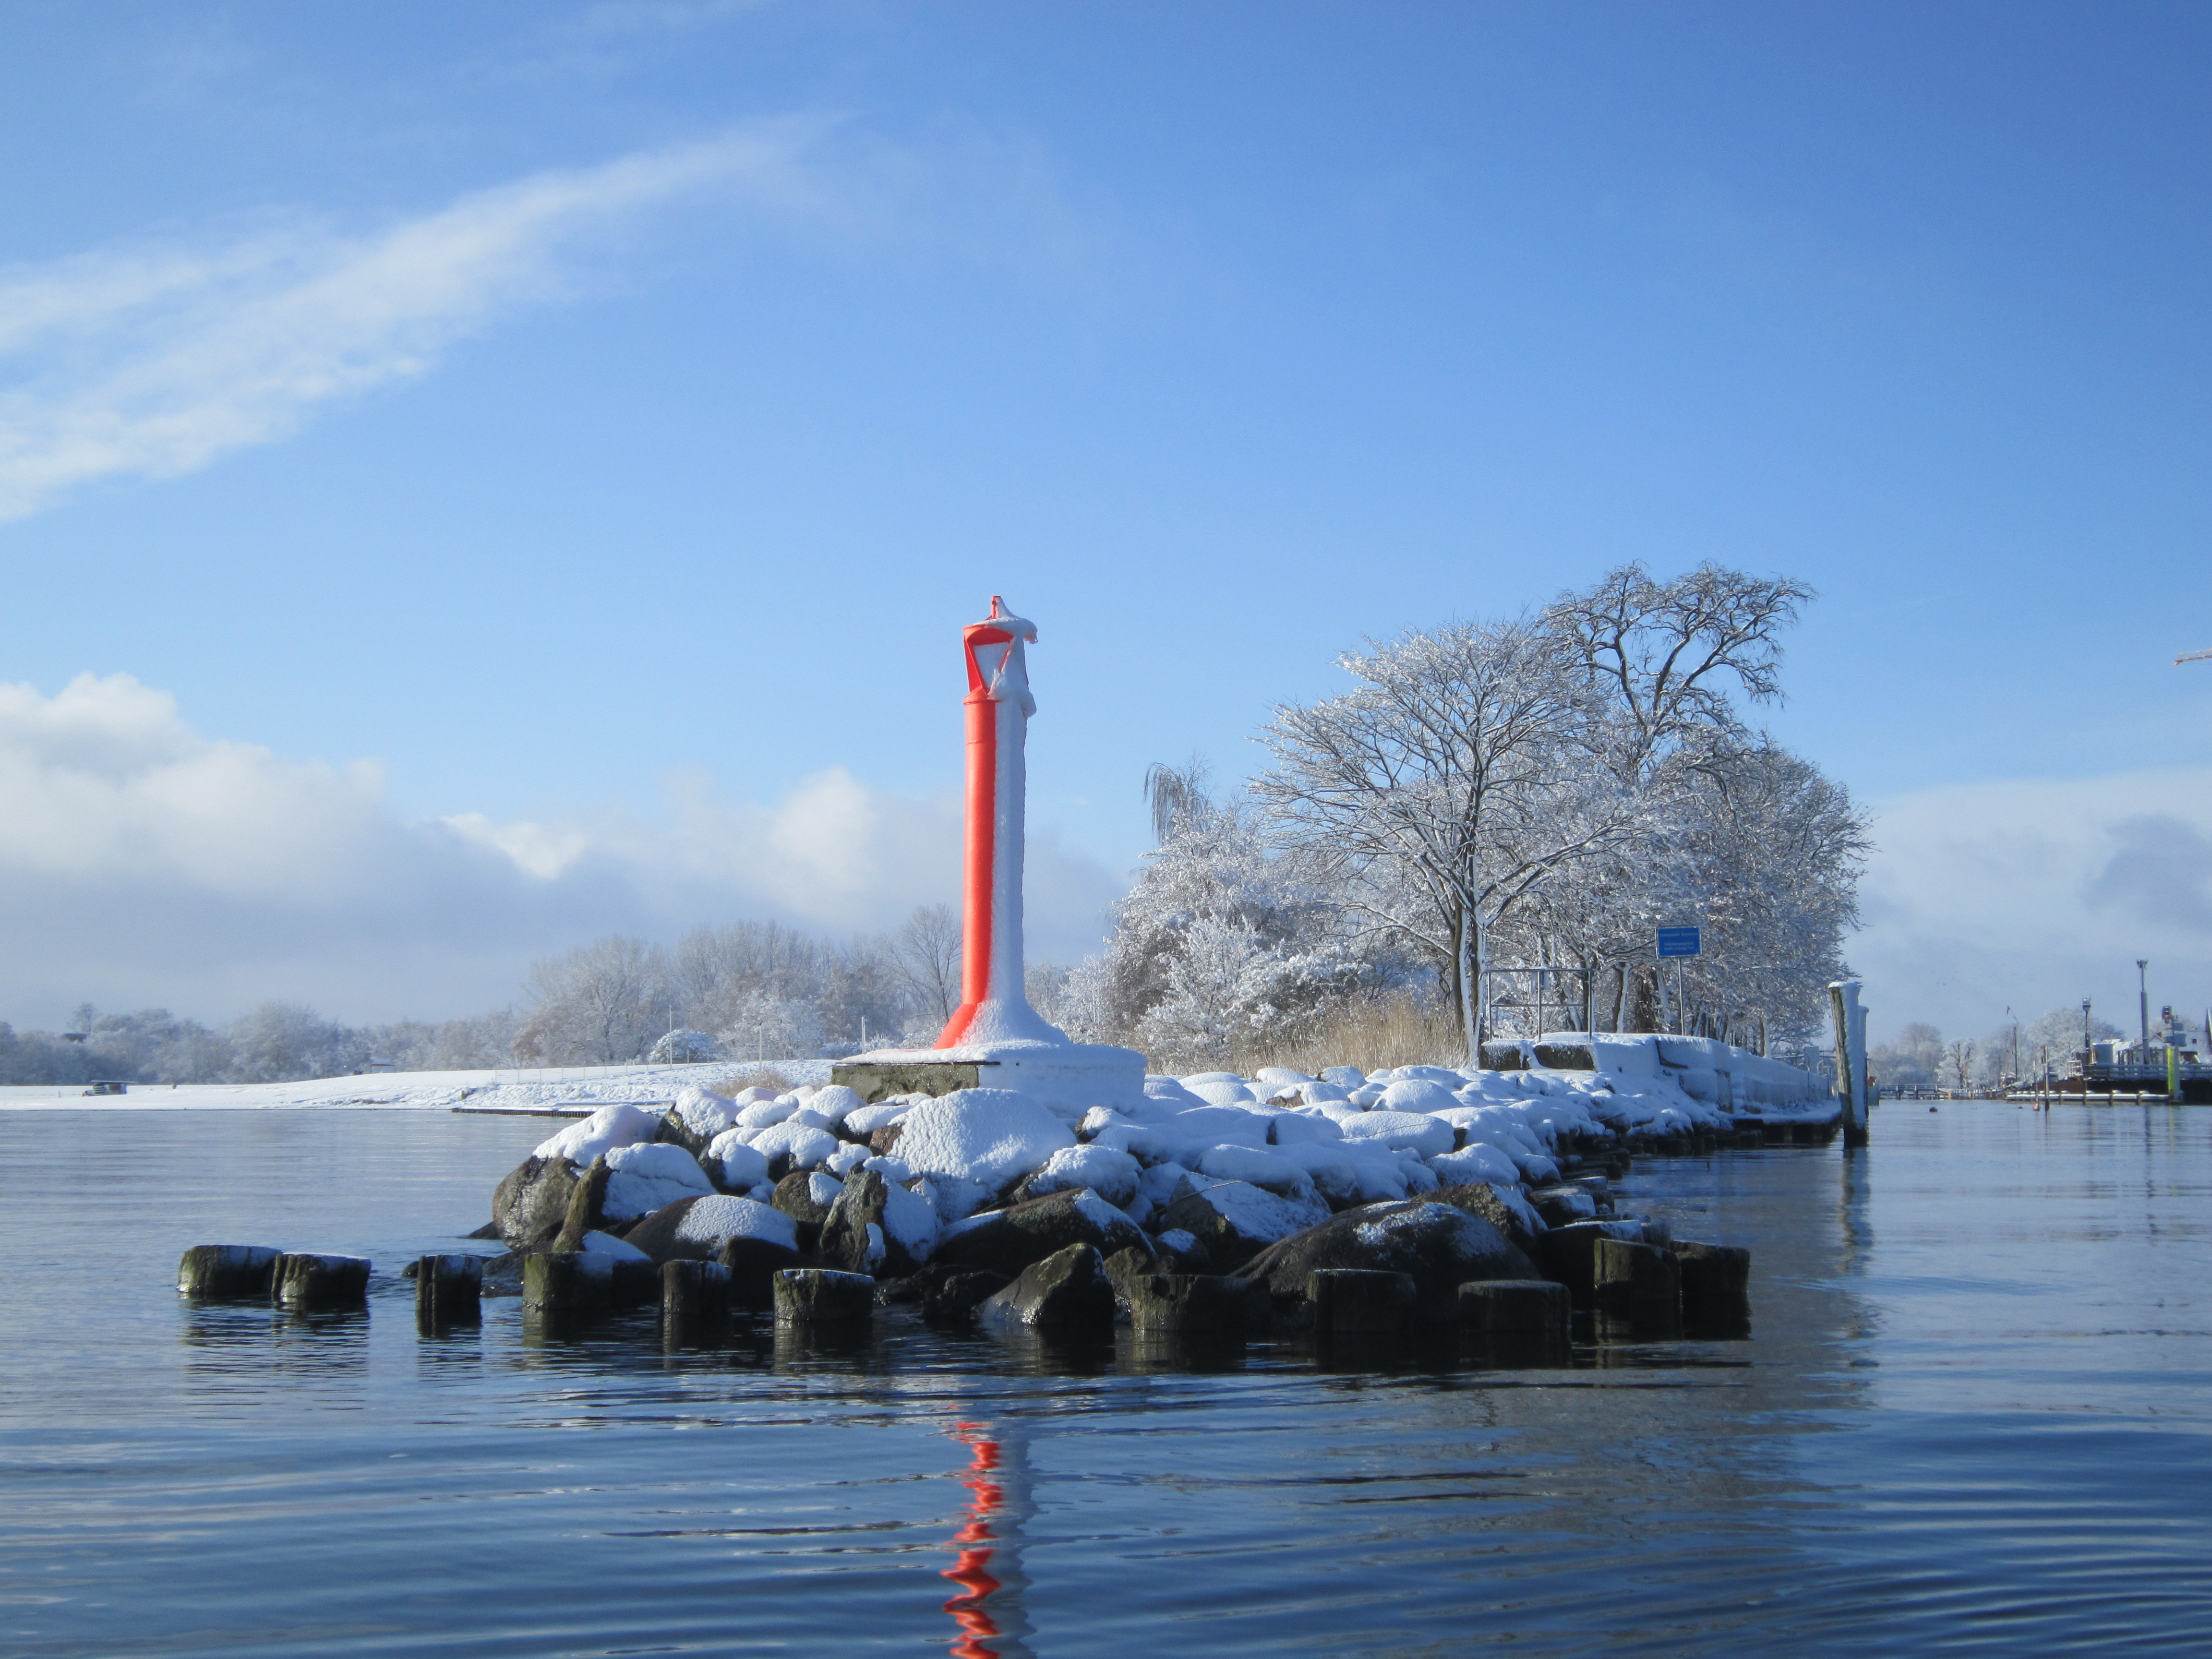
141	863
151	362
2034	895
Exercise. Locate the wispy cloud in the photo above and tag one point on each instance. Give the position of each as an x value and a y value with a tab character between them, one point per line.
151	362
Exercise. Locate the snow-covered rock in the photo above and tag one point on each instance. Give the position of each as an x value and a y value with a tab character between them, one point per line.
701	1115
1420	1094
1007	1241
642	1178
763	1113
1440	1246
743	1167
1112	1175
1476	1162
794	1145
1308	1125
865	1121
1221	1088
1264	1169
609	1127
1344	1077
697	1228
1424	1135
605	1247
1212	1126
1236	1220
982	1139
832	1103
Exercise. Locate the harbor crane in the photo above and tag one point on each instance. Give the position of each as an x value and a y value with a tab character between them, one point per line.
2192	656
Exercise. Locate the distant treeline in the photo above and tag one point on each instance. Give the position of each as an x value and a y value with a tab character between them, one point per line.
733	991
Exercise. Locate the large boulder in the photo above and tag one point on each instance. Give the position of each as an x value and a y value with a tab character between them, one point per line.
695	1229
874	1227
1441	1247
1067	1293
1236	1220
795	1144
587	1201
641	1179
698	1116
531	1202
1007	1241
1268	1170
1112	1174
807	1195
1479	1198
1425	1135
604	1131
739	1166
1476	1161
977	1142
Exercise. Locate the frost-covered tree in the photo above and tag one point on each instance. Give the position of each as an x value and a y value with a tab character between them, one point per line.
926	952
596	1005
1211	895
283	1041
1459	775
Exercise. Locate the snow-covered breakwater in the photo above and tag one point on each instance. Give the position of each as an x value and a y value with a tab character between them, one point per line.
986	1202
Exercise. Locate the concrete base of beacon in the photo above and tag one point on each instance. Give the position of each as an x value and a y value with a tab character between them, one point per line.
1062	1077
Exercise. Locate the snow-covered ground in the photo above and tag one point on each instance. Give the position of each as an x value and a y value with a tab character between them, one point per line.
580	1088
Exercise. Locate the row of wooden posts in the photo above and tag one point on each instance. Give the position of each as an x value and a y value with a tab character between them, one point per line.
1648	1291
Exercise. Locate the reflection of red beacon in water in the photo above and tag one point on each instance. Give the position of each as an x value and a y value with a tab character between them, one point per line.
994	1006
976	1541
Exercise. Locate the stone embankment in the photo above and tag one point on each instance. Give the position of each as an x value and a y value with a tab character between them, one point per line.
1342	1208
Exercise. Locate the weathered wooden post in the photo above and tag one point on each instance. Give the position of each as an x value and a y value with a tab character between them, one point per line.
1359	1302
1850	1058
695	1300
1640	1285
305	1282
227	1272
817	1296
448	1290
1531	1310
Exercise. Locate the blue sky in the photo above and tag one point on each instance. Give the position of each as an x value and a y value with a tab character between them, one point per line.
530	461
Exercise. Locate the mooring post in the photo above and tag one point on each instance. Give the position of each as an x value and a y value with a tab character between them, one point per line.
1850	1058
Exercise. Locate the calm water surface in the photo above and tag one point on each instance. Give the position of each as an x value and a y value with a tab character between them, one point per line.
1972	1415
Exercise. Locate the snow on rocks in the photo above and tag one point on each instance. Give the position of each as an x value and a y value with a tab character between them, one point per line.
1441	1246
983	1139
1424	1134
605	1131
697	1229
698	1116
743	1167
792	1145
1263	1169
642	1178
1236	1220
1007	1241
1477	1161
1113	1174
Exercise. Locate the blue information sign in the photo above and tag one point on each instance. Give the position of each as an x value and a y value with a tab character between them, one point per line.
1678	941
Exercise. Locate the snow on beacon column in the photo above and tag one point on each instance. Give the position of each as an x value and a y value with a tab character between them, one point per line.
994	1006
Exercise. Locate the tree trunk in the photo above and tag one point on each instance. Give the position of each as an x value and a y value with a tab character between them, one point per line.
1469	978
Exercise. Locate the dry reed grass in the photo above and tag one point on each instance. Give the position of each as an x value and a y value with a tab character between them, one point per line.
753	1077
1369	1032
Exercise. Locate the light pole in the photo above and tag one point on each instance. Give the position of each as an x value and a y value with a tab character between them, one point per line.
2089	1051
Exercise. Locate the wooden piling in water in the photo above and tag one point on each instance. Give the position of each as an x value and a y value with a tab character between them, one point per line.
448	1290
1359	1302
305	1282
694	1299
227	1272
